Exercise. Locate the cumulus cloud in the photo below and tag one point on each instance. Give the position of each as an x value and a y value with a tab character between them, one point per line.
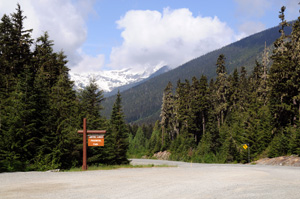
65	21
88	63
152	39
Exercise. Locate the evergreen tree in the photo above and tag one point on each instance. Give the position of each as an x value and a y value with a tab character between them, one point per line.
194	115
90	105
16	98
204	102
6	57
155	140
64	109
167	115
281	73
182	106
137	145
117	137
18	128
234	90
263	88
22	42
295	76
221	92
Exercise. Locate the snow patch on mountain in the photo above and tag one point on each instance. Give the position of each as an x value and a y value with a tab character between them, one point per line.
107	80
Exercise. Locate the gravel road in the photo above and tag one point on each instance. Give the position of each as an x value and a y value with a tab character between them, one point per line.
187	180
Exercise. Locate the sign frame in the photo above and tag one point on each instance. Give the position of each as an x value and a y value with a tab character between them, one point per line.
84	133
96	140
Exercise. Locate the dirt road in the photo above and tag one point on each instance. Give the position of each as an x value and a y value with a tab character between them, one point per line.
185	181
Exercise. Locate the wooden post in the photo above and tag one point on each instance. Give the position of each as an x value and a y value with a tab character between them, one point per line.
98	142
84	165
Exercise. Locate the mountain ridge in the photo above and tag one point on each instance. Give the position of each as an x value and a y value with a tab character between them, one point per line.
133	84
142	103
107	80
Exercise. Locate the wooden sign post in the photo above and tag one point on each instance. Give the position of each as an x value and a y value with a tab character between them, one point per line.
96	139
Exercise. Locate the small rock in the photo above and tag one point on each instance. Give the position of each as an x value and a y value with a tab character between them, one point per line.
162	155
53	170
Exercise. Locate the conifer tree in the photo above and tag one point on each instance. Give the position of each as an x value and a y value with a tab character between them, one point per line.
194	115
221	92
182	105
138	143
264	87
155	140
295	76
117	137
6	57
204	102
16	97
22	41
281	73
64	109
90	107
167	115
91	99
234	90
243	90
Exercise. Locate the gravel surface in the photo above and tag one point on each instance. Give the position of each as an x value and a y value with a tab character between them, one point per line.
187	180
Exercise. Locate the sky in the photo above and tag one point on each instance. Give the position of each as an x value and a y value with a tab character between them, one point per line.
145	35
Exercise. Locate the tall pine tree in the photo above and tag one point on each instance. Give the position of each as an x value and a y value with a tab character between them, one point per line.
117	142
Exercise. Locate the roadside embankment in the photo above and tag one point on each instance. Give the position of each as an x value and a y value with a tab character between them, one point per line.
280	161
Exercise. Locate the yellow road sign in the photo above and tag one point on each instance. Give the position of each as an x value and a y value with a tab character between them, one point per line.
245	146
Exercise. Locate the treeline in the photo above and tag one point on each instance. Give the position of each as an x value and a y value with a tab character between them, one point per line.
142	103
40	112
211	121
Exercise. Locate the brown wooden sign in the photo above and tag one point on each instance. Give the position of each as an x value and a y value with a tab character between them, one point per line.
95	140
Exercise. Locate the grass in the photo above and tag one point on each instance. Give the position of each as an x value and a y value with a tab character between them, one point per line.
111	167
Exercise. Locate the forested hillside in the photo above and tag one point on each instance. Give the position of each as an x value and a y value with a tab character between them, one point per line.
142	103
40	112
216	120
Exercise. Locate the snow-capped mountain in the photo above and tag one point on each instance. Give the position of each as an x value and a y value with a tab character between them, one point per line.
108	80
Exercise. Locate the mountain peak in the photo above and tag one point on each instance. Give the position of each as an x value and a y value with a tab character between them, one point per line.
112	79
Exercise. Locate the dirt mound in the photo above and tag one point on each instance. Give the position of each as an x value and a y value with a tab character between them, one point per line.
162	155
280	161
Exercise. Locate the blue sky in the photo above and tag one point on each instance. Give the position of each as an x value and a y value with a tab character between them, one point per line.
144	35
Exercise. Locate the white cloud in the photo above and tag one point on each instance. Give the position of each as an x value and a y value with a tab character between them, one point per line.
88	63
151	38
65	21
